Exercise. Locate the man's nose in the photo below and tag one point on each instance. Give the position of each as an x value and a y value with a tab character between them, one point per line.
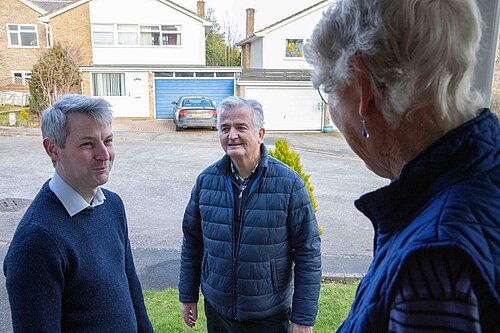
232	134
102	152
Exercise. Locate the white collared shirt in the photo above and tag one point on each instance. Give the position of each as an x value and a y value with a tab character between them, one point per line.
71	199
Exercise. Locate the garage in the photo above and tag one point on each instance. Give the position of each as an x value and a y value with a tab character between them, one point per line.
287	107
168	90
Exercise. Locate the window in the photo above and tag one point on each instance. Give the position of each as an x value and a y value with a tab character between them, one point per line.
295	48
127	34
135	35
205	74
22	35
20	77
160	35
103	34
108	84
184	74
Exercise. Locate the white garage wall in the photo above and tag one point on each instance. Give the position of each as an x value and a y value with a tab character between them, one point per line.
293	108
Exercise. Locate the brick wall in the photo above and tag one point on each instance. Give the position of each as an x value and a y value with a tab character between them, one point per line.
86	83
22	59
72	30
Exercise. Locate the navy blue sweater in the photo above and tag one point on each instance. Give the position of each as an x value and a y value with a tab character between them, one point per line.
74	274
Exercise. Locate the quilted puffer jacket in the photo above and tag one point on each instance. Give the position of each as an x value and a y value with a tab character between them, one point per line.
446	197
252	279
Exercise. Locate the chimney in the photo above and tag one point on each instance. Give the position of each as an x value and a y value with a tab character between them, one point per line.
250	21
201	8
246	49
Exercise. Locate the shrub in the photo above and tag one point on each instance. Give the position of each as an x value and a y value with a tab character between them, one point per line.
53	75
292	159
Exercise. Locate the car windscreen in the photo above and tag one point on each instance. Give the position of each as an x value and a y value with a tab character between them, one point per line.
197	102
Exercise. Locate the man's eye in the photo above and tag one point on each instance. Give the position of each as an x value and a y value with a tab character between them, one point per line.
108	142
86	144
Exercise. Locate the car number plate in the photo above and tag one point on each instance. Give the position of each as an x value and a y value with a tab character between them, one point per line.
200	115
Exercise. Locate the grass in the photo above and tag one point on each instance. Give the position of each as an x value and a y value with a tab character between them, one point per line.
23	119
165	314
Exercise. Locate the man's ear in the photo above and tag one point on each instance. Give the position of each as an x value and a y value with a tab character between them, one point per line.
52	149
262	132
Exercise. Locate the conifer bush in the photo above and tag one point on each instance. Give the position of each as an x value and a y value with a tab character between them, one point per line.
291	158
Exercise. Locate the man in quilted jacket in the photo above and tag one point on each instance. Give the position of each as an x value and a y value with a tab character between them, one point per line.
249	230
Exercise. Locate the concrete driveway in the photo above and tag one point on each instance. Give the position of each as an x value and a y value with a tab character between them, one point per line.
154	171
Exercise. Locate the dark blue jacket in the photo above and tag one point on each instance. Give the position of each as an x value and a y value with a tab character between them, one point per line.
446	197
251	279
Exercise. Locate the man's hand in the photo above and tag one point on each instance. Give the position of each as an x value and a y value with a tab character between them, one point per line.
296	328
189	313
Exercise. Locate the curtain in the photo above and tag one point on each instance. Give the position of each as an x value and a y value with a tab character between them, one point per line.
108	84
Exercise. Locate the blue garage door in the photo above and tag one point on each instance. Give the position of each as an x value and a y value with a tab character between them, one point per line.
169	90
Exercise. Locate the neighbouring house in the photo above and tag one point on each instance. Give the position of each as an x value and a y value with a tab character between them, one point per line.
23	39
141	57
276	73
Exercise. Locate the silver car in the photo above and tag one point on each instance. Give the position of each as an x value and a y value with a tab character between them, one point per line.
194	111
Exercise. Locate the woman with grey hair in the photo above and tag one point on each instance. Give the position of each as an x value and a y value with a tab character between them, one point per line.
398	75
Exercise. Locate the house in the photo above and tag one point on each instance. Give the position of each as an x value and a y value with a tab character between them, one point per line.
22	41
141	57
276	73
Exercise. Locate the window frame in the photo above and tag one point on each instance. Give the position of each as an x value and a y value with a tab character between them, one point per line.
21	76
115	30
287	42
19	32
96	90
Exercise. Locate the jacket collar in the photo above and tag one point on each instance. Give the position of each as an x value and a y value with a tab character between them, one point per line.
464	151
224	164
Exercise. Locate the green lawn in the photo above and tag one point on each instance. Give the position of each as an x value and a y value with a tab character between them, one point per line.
165	314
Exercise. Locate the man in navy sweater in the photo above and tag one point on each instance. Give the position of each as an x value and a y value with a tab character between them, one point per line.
69	267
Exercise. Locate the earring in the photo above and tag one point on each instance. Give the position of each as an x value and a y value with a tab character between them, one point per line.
364	130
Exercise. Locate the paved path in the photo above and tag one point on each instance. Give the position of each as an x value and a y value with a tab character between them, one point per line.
154	171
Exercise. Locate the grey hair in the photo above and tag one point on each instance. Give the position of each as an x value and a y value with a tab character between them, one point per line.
418	54
234	101
54	124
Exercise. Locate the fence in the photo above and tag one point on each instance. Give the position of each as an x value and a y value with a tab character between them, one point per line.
14	98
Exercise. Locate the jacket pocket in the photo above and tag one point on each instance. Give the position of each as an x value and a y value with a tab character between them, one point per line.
274	276
204	265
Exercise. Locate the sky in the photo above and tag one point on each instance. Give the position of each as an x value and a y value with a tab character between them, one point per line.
234	11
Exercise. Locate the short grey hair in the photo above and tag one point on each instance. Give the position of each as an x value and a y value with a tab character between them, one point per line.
418	54
54	118
234	101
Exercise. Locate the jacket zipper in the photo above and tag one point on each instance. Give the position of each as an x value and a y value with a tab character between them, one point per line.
236	244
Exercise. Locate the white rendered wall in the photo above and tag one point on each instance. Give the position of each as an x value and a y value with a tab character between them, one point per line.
191	52
275	42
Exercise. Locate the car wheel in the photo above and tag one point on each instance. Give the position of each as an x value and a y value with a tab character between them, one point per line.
214	128
177	128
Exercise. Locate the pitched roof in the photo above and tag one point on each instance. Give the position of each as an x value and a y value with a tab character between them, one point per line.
69	4
262	32
45	6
